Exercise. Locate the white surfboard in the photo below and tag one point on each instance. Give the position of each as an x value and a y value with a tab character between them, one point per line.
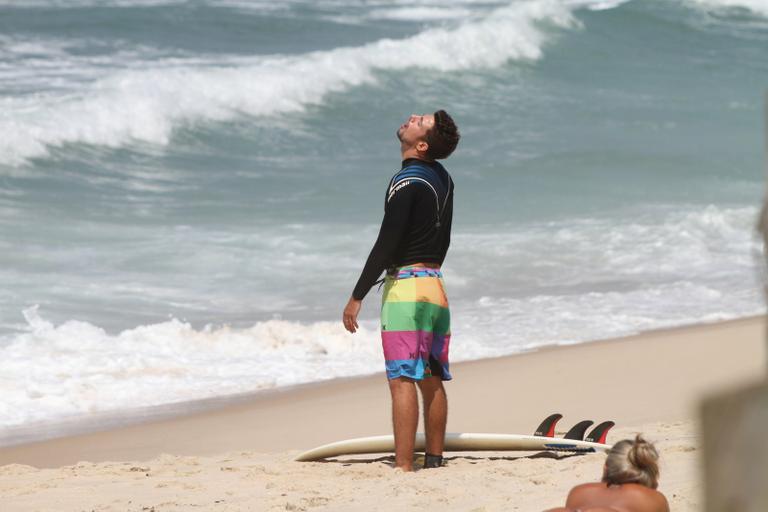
455	442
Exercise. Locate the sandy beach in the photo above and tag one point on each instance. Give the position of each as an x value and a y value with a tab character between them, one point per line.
192	190
238	455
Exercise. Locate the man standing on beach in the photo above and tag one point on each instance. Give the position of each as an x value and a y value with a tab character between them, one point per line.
415	320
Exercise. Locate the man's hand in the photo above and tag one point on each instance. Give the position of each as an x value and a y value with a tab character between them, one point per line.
349	316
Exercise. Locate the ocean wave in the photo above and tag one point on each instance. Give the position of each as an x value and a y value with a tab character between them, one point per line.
420	13
261	5
77	368
548	319
147	105
76	4
669	244
541	284
754	6
52	373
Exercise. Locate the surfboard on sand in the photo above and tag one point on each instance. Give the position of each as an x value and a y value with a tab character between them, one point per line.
544	440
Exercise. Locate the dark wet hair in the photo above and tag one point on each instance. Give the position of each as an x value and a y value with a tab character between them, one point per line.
443	137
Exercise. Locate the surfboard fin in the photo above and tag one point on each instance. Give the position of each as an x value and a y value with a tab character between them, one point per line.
600	432
547	427
578	430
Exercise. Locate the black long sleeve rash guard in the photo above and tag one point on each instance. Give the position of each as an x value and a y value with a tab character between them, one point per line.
408	233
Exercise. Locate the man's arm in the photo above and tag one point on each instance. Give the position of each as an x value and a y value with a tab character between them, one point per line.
393	226
396	213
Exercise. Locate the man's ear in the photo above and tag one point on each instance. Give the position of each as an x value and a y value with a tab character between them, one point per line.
422	146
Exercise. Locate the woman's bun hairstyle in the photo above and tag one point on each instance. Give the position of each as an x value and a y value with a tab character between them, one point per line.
632	462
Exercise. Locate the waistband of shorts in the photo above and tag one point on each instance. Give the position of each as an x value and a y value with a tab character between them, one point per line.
407	271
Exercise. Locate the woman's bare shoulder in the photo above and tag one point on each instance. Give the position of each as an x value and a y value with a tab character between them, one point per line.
656	501
628	496
587	489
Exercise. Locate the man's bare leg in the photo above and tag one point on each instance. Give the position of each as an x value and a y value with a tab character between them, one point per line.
435	413
405	420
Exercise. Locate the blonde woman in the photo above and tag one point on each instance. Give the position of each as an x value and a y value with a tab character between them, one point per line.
630	479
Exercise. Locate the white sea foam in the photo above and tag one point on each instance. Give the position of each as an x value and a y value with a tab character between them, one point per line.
568	319
147	105
74	4
267	5
425	13
587	279
683	242
543	283
79	368
755	6
595	5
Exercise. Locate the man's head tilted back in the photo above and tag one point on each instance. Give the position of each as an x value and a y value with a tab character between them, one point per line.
429	136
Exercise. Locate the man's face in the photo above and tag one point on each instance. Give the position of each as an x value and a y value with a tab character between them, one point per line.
415	129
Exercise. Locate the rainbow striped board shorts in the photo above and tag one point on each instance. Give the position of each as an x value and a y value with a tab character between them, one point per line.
415	323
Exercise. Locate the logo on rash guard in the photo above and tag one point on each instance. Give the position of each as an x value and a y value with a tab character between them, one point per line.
398	187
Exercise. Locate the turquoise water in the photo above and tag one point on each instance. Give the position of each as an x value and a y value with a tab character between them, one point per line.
188	190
